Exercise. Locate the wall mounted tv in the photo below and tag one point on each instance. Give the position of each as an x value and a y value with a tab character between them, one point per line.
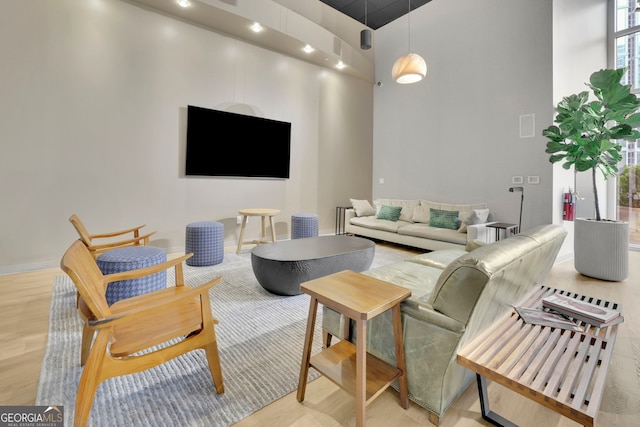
260	147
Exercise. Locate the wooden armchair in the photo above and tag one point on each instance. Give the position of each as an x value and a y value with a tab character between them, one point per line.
96	249
134	324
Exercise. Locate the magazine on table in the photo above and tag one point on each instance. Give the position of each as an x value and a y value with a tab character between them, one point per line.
535	316
582	310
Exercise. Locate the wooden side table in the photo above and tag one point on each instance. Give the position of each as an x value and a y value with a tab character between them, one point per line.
560	369
263	213
358	297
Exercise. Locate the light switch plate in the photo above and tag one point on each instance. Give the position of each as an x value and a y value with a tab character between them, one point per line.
533	179
517	180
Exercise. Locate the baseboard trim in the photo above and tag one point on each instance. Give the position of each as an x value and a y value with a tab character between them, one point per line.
25	268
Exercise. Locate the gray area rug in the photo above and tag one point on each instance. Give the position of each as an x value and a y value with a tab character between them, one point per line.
260	339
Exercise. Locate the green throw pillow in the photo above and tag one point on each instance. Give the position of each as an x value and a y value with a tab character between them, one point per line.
391	213
443	219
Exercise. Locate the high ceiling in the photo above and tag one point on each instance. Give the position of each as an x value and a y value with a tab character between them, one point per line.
379	12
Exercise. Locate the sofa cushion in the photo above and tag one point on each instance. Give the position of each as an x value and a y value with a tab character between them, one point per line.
443	219
362	207
441	234
420	279
390	213
438	259
474	244
379	224
407	207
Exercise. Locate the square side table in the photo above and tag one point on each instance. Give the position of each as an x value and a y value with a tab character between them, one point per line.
509	229
358	297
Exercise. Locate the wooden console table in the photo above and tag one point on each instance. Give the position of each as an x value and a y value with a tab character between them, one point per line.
358	297
263	213
561	369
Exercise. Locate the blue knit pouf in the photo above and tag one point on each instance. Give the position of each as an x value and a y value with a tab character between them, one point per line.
206	240
304	225
132	258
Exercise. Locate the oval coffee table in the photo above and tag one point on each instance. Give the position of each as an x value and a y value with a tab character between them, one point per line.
280	267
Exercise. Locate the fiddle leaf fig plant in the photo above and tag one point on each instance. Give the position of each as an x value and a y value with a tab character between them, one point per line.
587	131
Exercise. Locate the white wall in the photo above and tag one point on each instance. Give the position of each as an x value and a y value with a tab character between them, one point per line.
455	136
578	51
94	93
93	116
489	62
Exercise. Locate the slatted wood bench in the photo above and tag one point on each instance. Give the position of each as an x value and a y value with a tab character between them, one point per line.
561	369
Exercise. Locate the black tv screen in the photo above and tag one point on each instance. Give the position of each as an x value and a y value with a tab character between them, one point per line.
260	147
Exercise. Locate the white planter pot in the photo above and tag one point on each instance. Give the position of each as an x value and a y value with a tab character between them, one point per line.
601	249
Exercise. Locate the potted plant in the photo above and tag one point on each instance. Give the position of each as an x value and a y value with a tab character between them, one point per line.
586	138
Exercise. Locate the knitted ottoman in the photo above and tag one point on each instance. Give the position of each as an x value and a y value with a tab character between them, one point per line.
206	240
304	225
132	258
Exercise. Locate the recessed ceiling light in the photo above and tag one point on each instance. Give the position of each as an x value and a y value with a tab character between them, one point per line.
308	48
183	3
256	27
340	65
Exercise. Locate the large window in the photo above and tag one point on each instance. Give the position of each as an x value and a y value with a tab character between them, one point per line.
626	45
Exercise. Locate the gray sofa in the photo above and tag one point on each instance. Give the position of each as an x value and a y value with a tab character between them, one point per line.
454	296
414	227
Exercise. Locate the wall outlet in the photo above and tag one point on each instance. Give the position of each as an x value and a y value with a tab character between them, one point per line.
239	219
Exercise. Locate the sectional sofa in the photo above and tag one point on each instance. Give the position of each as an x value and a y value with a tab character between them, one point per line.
455	295
419	223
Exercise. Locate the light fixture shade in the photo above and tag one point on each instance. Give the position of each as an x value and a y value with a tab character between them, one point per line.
365	39
409	68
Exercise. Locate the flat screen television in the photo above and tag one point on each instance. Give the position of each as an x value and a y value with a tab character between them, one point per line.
220	143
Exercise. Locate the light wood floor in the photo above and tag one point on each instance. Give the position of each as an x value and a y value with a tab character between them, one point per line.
24	311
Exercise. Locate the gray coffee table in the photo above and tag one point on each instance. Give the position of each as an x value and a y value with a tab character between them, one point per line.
280	267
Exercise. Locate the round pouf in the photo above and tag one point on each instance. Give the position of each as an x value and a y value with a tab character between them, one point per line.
132	258
206	240
304	225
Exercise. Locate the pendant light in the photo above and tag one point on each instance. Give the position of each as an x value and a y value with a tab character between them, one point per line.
411	67
365	35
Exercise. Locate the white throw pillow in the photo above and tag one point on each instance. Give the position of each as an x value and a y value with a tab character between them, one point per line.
421	214
477	216
362	207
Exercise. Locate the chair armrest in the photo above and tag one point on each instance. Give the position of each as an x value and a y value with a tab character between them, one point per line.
147	271
427	314
145	304
478	232
117	233
120	243
348	214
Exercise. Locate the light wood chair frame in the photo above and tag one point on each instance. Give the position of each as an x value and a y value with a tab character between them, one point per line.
128	326
88	239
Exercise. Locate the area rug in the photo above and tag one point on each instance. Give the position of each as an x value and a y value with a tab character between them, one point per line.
260	339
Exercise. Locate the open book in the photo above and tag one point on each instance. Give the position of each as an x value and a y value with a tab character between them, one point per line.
581	310
535	316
